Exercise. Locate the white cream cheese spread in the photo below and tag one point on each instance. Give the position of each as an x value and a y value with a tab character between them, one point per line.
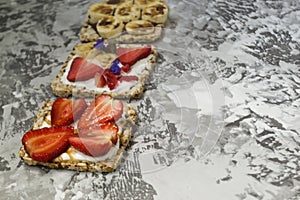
136	70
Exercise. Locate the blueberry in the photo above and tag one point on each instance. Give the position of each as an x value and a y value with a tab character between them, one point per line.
115	67
99	44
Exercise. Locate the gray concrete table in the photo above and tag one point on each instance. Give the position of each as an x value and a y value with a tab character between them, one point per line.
219	118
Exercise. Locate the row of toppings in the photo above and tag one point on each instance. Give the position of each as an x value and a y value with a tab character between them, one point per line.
96	129
82	70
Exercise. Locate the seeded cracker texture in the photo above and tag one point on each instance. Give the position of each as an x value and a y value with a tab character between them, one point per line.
88	32
65	90
108	165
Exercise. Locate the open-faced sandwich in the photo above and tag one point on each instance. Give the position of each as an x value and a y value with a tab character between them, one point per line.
125	20
73	134
97	68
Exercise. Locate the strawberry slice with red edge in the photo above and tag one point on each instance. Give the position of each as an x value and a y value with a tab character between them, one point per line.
79	106
107	77
97	140
107	130
131	55
110	78
126	68
100	81
45	144
103	109
128	78
91	146
82	70
65	111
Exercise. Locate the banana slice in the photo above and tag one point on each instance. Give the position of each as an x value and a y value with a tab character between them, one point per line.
144	3
119	2
128	13
109	27
139	27
83	49
156	13
105	59
98	10
92	54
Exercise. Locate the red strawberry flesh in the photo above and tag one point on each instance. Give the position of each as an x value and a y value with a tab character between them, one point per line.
131	55
45	144
107	130
110	79
103	109
128	78
79	106
100	81
126	68
64	111
82	70
61	113
91	146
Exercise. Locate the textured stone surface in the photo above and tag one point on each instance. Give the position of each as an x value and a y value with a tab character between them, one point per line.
219	118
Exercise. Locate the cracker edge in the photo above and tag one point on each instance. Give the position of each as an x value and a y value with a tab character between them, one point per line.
86	166
65	90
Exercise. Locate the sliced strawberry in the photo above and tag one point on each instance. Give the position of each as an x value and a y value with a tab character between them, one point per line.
103	109
100	81
128	78
107	130
126	68
79	106
110	78
82	70
61	113
132	55
65	111
92	146
45	144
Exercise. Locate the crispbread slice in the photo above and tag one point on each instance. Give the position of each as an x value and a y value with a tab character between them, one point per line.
64	89
108	165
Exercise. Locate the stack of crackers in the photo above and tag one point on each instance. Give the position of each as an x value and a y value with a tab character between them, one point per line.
113	60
